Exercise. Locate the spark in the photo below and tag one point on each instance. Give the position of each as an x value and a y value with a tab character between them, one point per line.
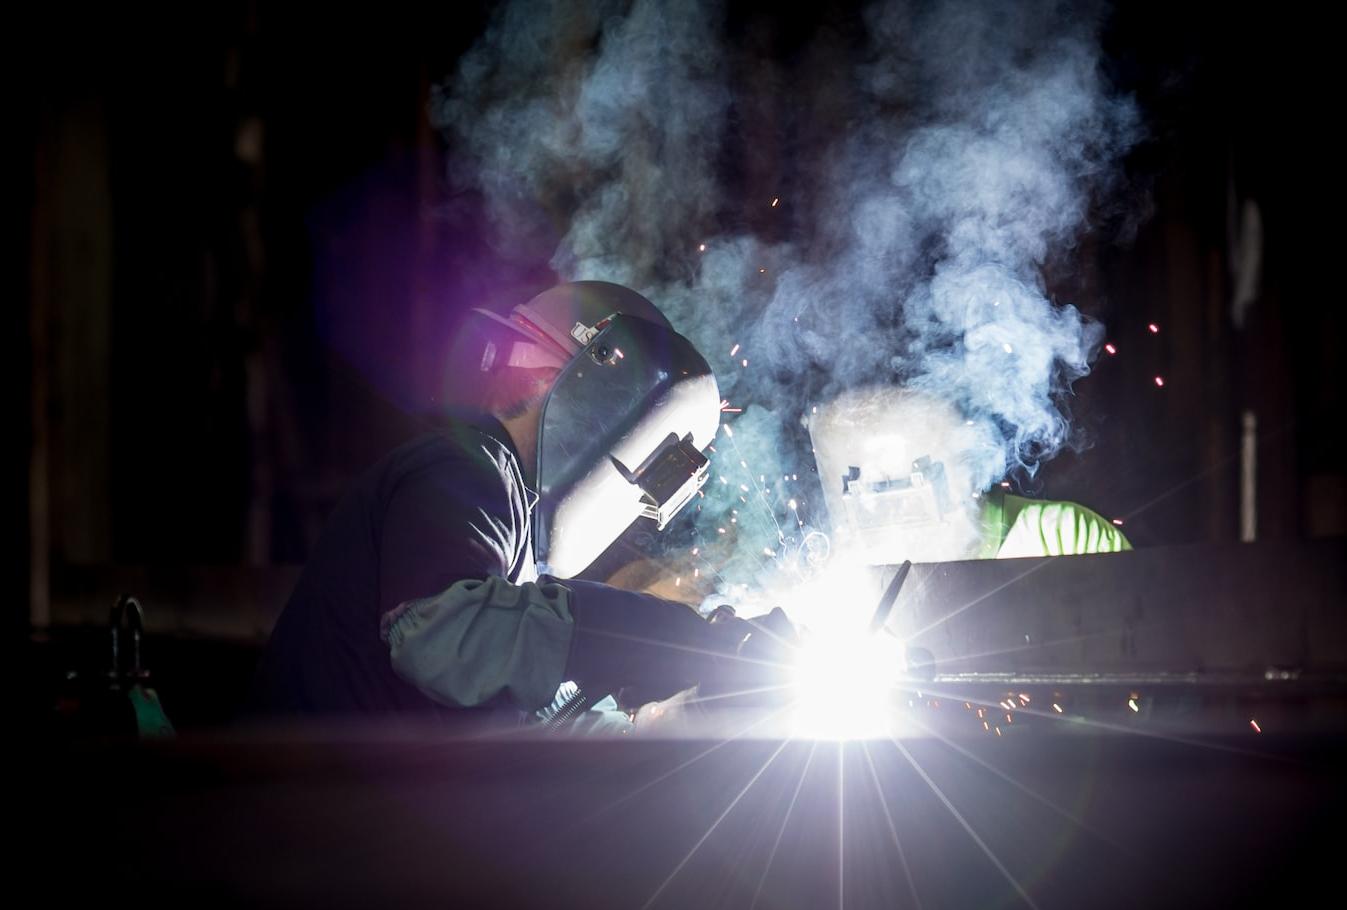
743	464
1110	348
696	550
1008	349
744	487
728	431
733	410
618	352
1132	703
1056	707
793	505
696	573
1155	329
701	248
1253	723
1118	522
768	552
1005	485
678	582
723	480
745	361
1160	381
775	200
762	271
734	350
721	530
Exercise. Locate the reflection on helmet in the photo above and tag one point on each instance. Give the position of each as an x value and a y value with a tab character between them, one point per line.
894	465
623	426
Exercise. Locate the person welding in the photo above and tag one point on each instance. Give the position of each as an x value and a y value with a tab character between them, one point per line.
444	581
902	479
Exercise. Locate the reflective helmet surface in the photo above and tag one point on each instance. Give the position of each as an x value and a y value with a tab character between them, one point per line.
622	429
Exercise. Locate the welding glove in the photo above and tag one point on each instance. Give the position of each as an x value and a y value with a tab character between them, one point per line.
755	658
656	647
622	639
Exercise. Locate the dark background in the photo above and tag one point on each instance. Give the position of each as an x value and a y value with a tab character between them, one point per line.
224	208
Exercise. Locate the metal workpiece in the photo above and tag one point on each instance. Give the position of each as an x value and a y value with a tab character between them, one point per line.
1263	612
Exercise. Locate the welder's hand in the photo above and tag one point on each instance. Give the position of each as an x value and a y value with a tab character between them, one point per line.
755	657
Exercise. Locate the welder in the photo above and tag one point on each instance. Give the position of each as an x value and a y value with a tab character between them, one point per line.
444	583
903	476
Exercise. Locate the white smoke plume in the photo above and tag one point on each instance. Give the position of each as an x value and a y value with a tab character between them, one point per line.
974	140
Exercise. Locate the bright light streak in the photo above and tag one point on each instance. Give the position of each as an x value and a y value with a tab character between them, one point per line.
775	201
728	431
1110	348
1160	381
701	248
1132	703
1253	723
1155	329
793	505
734	350
745	362
842	686
1008	349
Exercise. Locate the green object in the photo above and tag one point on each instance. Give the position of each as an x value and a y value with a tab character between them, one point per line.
1016	527
151	721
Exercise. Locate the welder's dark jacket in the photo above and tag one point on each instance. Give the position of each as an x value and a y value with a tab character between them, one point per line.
422	596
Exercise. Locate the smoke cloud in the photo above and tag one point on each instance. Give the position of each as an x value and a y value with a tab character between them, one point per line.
939	155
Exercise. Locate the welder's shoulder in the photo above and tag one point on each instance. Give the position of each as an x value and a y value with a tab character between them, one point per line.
461	464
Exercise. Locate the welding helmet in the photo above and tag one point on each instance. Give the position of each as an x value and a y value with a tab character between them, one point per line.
896	469
622	429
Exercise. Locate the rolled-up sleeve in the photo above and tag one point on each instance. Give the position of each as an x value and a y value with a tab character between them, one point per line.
480	641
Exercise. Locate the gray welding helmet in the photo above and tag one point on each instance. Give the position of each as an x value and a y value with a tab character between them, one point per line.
897	469
622	429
